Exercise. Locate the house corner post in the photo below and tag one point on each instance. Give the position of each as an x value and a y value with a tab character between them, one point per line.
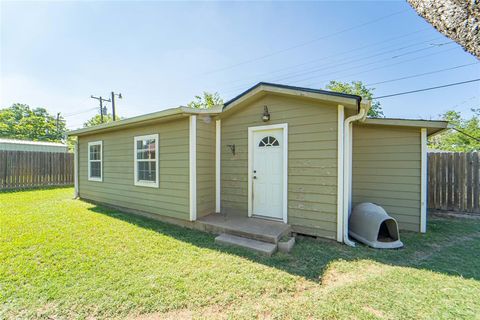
75	169
340	171
218	141
423	192
193	167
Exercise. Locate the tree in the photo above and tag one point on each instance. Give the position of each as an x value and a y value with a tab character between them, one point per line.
359	89
207	101
453	140
457	19
97	119
22	122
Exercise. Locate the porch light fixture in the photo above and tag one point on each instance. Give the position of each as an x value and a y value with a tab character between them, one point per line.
232	148
266	114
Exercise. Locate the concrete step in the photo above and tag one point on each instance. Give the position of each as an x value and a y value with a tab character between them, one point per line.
241	226
255	245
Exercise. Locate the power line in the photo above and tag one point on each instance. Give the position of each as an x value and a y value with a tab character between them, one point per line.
427	89
336	72
354	50
364	71
467	134
306	42
382	67
422	74
79	112
348	61
364	58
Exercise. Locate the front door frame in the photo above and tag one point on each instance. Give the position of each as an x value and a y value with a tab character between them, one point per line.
251	130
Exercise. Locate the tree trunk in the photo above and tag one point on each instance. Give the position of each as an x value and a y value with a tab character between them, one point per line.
457	19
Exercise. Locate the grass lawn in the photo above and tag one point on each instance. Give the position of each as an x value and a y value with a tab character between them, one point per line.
66	259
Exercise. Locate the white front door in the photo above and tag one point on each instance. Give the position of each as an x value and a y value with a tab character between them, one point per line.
267	173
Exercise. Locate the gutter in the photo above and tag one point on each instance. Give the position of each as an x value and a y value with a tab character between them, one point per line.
347	168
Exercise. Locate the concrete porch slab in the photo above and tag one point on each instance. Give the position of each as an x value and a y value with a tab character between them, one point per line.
252	228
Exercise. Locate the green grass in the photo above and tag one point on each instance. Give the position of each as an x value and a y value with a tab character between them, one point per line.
66	259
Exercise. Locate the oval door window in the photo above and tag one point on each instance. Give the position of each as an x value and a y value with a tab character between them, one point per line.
269	141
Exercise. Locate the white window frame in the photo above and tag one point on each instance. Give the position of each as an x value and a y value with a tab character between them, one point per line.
90	178
145	183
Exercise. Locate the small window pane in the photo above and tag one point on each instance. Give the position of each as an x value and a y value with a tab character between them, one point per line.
95	169
146	171
95	152
268	142
146	154
147	144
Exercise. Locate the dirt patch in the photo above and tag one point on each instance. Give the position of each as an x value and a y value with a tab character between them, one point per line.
375	312
337	278
209	312
261	306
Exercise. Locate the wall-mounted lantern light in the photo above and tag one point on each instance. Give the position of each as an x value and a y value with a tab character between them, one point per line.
232	148
266	114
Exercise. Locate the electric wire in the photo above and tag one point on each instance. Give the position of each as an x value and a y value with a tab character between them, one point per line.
354	50
305	43
421	74
427	89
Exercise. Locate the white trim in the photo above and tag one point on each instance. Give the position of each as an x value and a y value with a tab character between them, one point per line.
423	192
251	130
95	143
350	171
347	168
144	183
193	167
218	141
340	169
75	169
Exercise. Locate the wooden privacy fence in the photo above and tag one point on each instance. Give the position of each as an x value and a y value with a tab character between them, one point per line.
454	182
26	169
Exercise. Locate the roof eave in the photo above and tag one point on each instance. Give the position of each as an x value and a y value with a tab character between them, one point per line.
164	115
349	101
433	126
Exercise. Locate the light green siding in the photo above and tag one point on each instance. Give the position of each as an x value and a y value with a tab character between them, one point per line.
170	199
205	165
387	171
312	160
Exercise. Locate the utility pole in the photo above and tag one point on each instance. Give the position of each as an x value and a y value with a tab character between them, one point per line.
101	105
58	118
119	95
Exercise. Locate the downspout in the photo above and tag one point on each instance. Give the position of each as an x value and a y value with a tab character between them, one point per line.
347	167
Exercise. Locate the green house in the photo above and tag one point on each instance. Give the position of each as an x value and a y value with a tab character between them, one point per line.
292	156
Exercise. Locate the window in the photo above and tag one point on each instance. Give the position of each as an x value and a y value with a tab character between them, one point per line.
95	161
269	142
146	161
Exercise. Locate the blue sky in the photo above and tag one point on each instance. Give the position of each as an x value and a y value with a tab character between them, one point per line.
161	54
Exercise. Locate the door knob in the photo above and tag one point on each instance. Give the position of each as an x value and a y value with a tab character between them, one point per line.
254	177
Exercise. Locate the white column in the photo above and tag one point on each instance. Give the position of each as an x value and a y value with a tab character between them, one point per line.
423	192
193	167
218	142
340	138
75	169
